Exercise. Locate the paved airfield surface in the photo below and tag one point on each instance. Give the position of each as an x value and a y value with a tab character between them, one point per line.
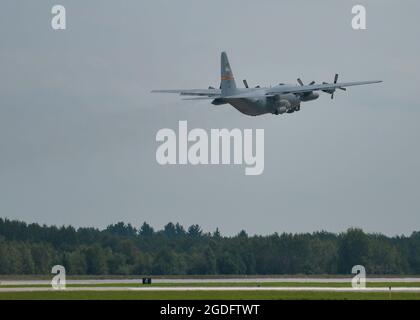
88	285
330	289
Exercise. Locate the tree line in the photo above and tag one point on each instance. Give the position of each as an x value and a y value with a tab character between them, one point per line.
122	249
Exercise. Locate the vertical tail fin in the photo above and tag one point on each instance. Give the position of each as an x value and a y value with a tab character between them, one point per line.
227	83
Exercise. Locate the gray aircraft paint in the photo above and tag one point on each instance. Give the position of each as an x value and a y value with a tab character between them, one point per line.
227	81
257	101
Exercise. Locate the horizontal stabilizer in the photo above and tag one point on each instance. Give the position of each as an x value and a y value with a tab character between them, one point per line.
192	92
201	98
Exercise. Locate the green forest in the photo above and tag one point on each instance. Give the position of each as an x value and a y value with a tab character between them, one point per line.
123	249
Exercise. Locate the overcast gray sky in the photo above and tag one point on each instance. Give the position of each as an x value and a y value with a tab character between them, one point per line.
78	124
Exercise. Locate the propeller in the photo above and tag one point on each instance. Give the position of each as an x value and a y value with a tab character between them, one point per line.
247	86
331	91
301	83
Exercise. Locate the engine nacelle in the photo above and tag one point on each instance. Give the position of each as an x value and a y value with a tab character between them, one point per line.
309	96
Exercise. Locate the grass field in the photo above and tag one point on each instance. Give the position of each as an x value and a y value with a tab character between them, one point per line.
216	294
197	295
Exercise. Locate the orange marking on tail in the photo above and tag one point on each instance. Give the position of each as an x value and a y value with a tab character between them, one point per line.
227	77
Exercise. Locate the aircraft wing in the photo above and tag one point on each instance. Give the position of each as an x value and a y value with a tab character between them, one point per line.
193	92
266	92
270	92
316	87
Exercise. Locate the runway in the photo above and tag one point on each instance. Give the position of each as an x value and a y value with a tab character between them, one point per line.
109	284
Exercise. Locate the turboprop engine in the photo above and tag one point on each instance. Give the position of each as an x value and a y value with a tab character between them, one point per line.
309	96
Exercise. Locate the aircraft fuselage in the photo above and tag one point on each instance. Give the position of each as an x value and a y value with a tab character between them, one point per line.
277	104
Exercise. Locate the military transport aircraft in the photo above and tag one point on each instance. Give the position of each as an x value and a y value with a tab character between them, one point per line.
283	98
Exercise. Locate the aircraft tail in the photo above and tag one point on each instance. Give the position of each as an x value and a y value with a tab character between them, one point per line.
227	83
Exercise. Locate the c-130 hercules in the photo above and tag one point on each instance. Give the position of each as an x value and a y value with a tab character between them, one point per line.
283	98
